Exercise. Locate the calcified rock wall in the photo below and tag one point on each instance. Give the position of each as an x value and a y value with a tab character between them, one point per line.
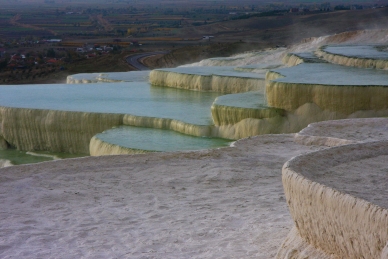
249	127
342	132
5	163
224	115
3	143
272	75
341	99
350	37
290	122
99	147
55	131
214	83
352	61
290	59
170	124
71	132
229	84
77	79
334	222
295	247
294	59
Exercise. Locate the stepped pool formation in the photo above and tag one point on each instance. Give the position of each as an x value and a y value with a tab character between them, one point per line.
319	106
369	56
64	118
216	79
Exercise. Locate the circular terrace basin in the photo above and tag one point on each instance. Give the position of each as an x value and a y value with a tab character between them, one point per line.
338	199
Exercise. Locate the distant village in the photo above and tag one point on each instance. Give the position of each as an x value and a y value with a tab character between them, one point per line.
34	59
328	8
40	54
25	54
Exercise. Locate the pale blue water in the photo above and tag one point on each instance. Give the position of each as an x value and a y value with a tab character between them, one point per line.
146	139
227	71
330	74
254	99
18	157
135	98
309	57
133	76
360	51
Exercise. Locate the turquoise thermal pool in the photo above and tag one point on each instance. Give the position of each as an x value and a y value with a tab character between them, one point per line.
308	57
135	98
226	71
149	139
132	98
331	74
230	102
251	100
134	76
360	51
17	157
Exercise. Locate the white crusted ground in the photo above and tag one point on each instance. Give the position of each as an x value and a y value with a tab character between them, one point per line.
225	203
340	132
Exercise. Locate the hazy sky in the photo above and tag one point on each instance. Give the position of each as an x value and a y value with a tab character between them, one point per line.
209	1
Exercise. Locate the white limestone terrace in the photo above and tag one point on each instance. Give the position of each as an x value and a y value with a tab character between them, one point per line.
136	140
85	78
271	56
293	58
65	117
224	79
331	74
365	56
228	71
232	108
345	90
308	57
337	198
340	132
256	68
358	51
133	76
136	98
219	203
250	100
369	181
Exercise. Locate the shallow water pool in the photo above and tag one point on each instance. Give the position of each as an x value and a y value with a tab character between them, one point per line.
149	139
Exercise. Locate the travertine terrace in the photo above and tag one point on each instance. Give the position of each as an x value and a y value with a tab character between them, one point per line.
264	98
337	198
369	56
216	79
225	202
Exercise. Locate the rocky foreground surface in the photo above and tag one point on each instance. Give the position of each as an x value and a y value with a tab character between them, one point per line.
223	203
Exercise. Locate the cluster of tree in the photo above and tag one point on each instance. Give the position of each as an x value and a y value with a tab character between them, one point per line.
3	64
347	7
263	14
